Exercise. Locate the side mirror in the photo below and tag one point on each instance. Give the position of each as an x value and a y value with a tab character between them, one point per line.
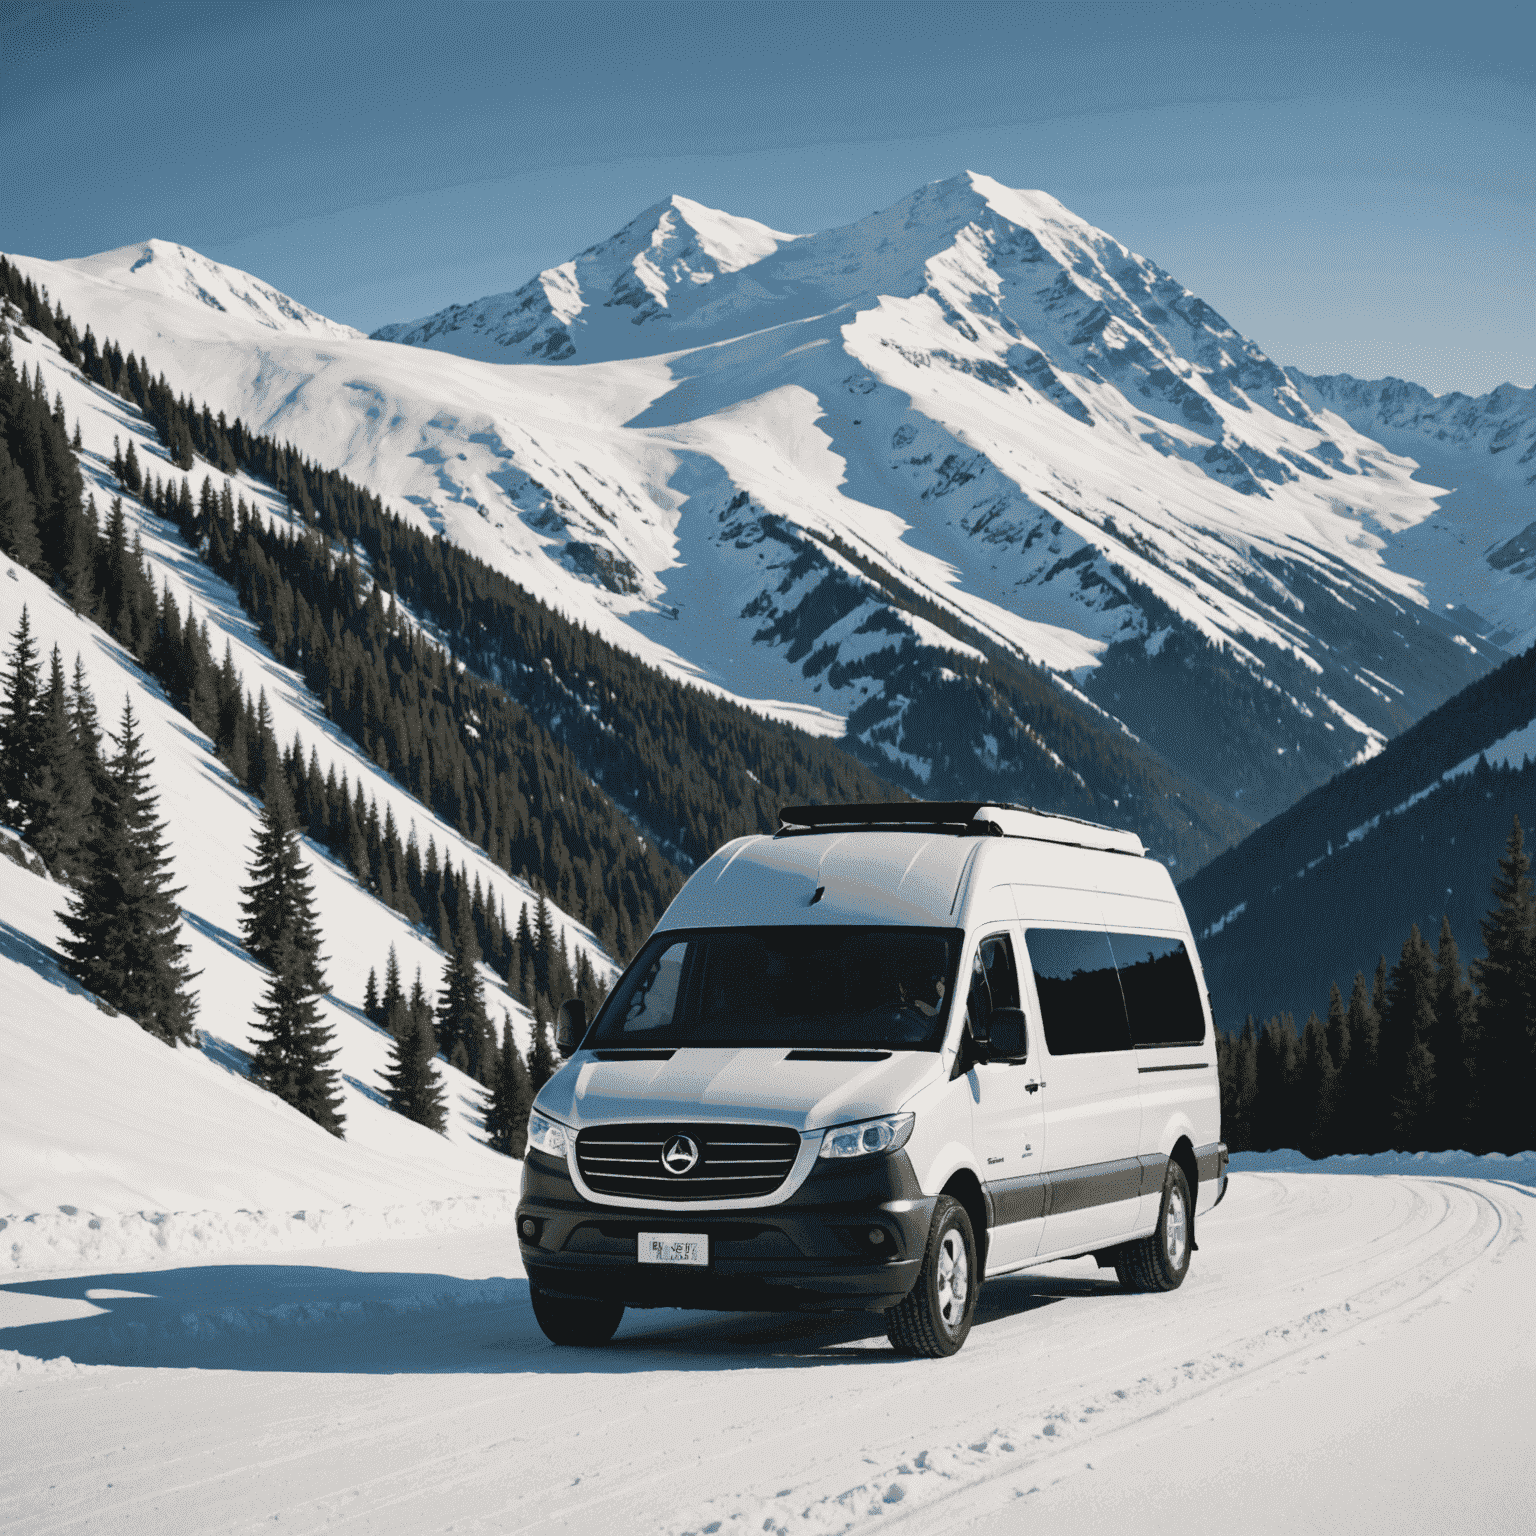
570	1025
1008	1037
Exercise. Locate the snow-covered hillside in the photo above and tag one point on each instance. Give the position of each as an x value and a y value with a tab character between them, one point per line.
824	473
79	1091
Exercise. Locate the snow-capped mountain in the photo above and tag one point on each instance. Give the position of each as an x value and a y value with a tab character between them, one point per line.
653	270
885	479
175	272
1484	449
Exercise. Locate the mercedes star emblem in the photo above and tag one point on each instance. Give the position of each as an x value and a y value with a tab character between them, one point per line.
679	1155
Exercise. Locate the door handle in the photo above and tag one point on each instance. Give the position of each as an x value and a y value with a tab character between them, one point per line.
1033	1087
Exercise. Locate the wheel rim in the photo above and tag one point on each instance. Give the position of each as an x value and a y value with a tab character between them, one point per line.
1176	1228
954	1279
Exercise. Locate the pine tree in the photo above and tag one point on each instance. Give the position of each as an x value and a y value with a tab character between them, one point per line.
412	1085
461	1020
392	1005
1237	1067
18	514
1506	1002
62	798
524	950
506	1113
1319	1083
543	950
1361	1126
1408	1068
20	729
541	1054
123	920
1453	1042
278	922
371	1009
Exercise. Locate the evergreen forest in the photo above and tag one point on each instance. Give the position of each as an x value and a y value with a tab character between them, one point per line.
1423	1056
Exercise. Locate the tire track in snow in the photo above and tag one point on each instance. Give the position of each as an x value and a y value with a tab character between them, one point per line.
924	1488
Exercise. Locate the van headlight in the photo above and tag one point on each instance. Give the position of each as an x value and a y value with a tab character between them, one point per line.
863	1137
548	1136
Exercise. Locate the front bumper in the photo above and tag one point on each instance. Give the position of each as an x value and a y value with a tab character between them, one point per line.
811	1253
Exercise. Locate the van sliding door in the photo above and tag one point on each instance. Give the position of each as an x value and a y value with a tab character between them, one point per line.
1091	1096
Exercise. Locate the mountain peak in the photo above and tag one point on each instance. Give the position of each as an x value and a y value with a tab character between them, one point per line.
169	270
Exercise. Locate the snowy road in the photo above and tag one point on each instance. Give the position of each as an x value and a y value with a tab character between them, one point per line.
1344	1344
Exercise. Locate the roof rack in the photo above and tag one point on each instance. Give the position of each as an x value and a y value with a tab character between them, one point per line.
963	818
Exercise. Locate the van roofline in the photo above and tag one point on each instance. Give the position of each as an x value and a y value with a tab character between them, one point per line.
959	818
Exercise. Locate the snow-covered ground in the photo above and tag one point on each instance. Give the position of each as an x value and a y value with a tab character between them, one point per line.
1349	1352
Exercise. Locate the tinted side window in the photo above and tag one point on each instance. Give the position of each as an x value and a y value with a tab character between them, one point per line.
1080	1002
1162	996
994	979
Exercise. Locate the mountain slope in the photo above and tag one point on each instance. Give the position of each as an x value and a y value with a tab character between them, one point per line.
211	826
1324	888
1484	533
873	478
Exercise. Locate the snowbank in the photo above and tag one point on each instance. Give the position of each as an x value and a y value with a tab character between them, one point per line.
1516	1168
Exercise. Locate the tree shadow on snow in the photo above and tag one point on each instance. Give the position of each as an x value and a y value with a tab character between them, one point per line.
313	1318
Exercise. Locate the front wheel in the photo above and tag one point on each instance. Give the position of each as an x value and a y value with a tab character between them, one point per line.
569	1320
1160	1262
935	1316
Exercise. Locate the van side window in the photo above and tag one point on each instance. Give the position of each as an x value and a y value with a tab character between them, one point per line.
1162	996
653	1003
1080	1002
994	979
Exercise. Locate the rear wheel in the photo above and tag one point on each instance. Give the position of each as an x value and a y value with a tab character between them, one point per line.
1160	1262
570	1320
935	1316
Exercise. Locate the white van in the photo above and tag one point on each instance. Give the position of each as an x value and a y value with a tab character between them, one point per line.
872	1058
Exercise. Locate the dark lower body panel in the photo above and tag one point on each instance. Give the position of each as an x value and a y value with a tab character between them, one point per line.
815	1252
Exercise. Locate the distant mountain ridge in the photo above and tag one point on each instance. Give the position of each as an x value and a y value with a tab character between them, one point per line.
1325	887
967	482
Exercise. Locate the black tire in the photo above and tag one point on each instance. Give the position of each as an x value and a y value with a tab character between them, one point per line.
1161	1261
569	1320
935	1316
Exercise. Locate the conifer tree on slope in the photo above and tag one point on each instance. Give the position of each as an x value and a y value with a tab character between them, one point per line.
63	791
412	1086
461	1018
123	920
293	1059
506	1114
1360	1112
20	722
392	1005
1319	1082
18	516
1506	1003
541	1054
1454	1044
1408	1068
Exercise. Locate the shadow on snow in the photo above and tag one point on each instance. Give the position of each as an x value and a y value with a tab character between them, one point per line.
310	1318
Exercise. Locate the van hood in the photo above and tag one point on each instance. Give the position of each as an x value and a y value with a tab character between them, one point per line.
755	1084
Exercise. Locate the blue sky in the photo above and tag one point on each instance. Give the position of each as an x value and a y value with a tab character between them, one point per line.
1354	186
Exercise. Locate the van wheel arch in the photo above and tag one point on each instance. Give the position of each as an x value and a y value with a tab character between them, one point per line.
1184	1155
965	1187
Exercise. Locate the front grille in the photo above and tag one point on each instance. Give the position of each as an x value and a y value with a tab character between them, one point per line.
735	1162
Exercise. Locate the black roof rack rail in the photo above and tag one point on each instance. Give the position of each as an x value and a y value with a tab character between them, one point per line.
935	815
962	818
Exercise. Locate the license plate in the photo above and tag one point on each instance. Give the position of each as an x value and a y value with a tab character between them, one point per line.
674	1248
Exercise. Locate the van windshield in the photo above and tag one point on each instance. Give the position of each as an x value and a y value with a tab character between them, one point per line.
835	986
